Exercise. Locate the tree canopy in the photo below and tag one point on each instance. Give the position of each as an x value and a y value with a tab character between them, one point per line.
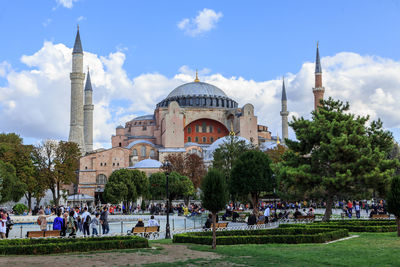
179	186
125	185
190	165
336	154
252	174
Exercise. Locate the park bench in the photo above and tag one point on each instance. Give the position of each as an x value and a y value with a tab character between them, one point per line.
242	217
145	231
53	233
221	225
31	234
305	218
380	216
260	222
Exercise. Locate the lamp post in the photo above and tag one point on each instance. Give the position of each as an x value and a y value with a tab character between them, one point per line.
167	169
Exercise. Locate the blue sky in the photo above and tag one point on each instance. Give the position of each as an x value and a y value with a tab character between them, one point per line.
257	41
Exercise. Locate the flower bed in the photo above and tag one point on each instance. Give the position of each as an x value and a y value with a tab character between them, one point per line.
62	245
279	235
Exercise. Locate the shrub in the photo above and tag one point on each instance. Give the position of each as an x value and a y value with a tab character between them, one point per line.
288	236
63	245
19	208
351	227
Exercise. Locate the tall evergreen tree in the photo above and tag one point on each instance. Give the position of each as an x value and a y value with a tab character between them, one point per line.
214	196
336	154
393	200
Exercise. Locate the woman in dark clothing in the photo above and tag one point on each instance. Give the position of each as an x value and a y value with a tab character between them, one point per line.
252	219
208	223
140	223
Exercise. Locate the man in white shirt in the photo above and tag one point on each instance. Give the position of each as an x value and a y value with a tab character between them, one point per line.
267	213
86	221
153	222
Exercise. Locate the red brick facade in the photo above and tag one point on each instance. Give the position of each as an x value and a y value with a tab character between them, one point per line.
204	131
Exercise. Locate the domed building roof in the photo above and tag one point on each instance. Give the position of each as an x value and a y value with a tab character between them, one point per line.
209	153
199	94
148	164
197	89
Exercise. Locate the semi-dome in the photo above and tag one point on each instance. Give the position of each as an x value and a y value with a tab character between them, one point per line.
148	164
199	94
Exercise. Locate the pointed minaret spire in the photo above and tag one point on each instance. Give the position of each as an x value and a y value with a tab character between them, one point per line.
284	113
318	90
76	131
88	115
88	85
78	44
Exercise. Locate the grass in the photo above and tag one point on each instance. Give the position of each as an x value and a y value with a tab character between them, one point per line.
369	249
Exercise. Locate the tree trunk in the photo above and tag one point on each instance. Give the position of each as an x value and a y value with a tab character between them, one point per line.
28	196
328	211
214	235
58	195
254	199
53	192
398	226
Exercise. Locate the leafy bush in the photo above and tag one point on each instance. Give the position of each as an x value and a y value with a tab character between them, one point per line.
63	245
19	208
288	236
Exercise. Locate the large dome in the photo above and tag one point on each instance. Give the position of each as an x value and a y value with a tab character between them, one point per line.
199	94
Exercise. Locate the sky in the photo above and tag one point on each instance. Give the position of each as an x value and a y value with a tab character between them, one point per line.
139	51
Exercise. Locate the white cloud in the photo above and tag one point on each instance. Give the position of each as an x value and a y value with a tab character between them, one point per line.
35	101
205	21
66	3
80	18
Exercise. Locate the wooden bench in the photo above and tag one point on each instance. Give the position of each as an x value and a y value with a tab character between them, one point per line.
145	231
380	216
53	233
260	222
305	218
31	234
221	225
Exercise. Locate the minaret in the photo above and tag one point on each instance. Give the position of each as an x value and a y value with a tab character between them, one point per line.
88	115
77	76
284	113
318	90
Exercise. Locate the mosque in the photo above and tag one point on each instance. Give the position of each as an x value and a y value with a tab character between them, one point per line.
195	117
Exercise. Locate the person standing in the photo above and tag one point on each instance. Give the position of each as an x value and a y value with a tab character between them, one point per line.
64	224
86	219
58	221
358	209
42	220
3	225
104	221
71	226
267	213
95	224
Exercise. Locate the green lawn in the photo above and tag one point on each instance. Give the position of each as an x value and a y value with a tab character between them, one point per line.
369	249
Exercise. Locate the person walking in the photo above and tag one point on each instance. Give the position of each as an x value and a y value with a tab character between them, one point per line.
358	209
104	221
86	219
42	220
64	224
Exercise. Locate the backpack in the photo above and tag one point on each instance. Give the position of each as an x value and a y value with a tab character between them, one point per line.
39	222
88	219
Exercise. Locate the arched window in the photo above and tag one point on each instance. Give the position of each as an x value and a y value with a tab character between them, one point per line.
143	151
120	144
101	179
189	139
152	153
134	152
204	139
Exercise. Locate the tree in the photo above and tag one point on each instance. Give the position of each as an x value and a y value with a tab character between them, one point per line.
336	154
179	186
190	165
276	153
125	186
57	163
252	174
14	152
194	168
214	196
393	200
227	153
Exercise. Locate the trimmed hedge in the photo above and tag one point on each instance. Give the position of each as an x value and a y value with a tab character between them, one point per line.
350	227
287	236
63	245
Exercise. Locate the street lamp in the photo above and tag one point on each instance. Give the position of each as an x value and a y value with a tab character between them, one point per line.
167	169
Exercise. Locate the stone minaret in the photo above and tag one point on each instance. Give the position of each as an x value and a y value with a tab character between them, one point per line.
77	76
284	113
88	115
318	90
